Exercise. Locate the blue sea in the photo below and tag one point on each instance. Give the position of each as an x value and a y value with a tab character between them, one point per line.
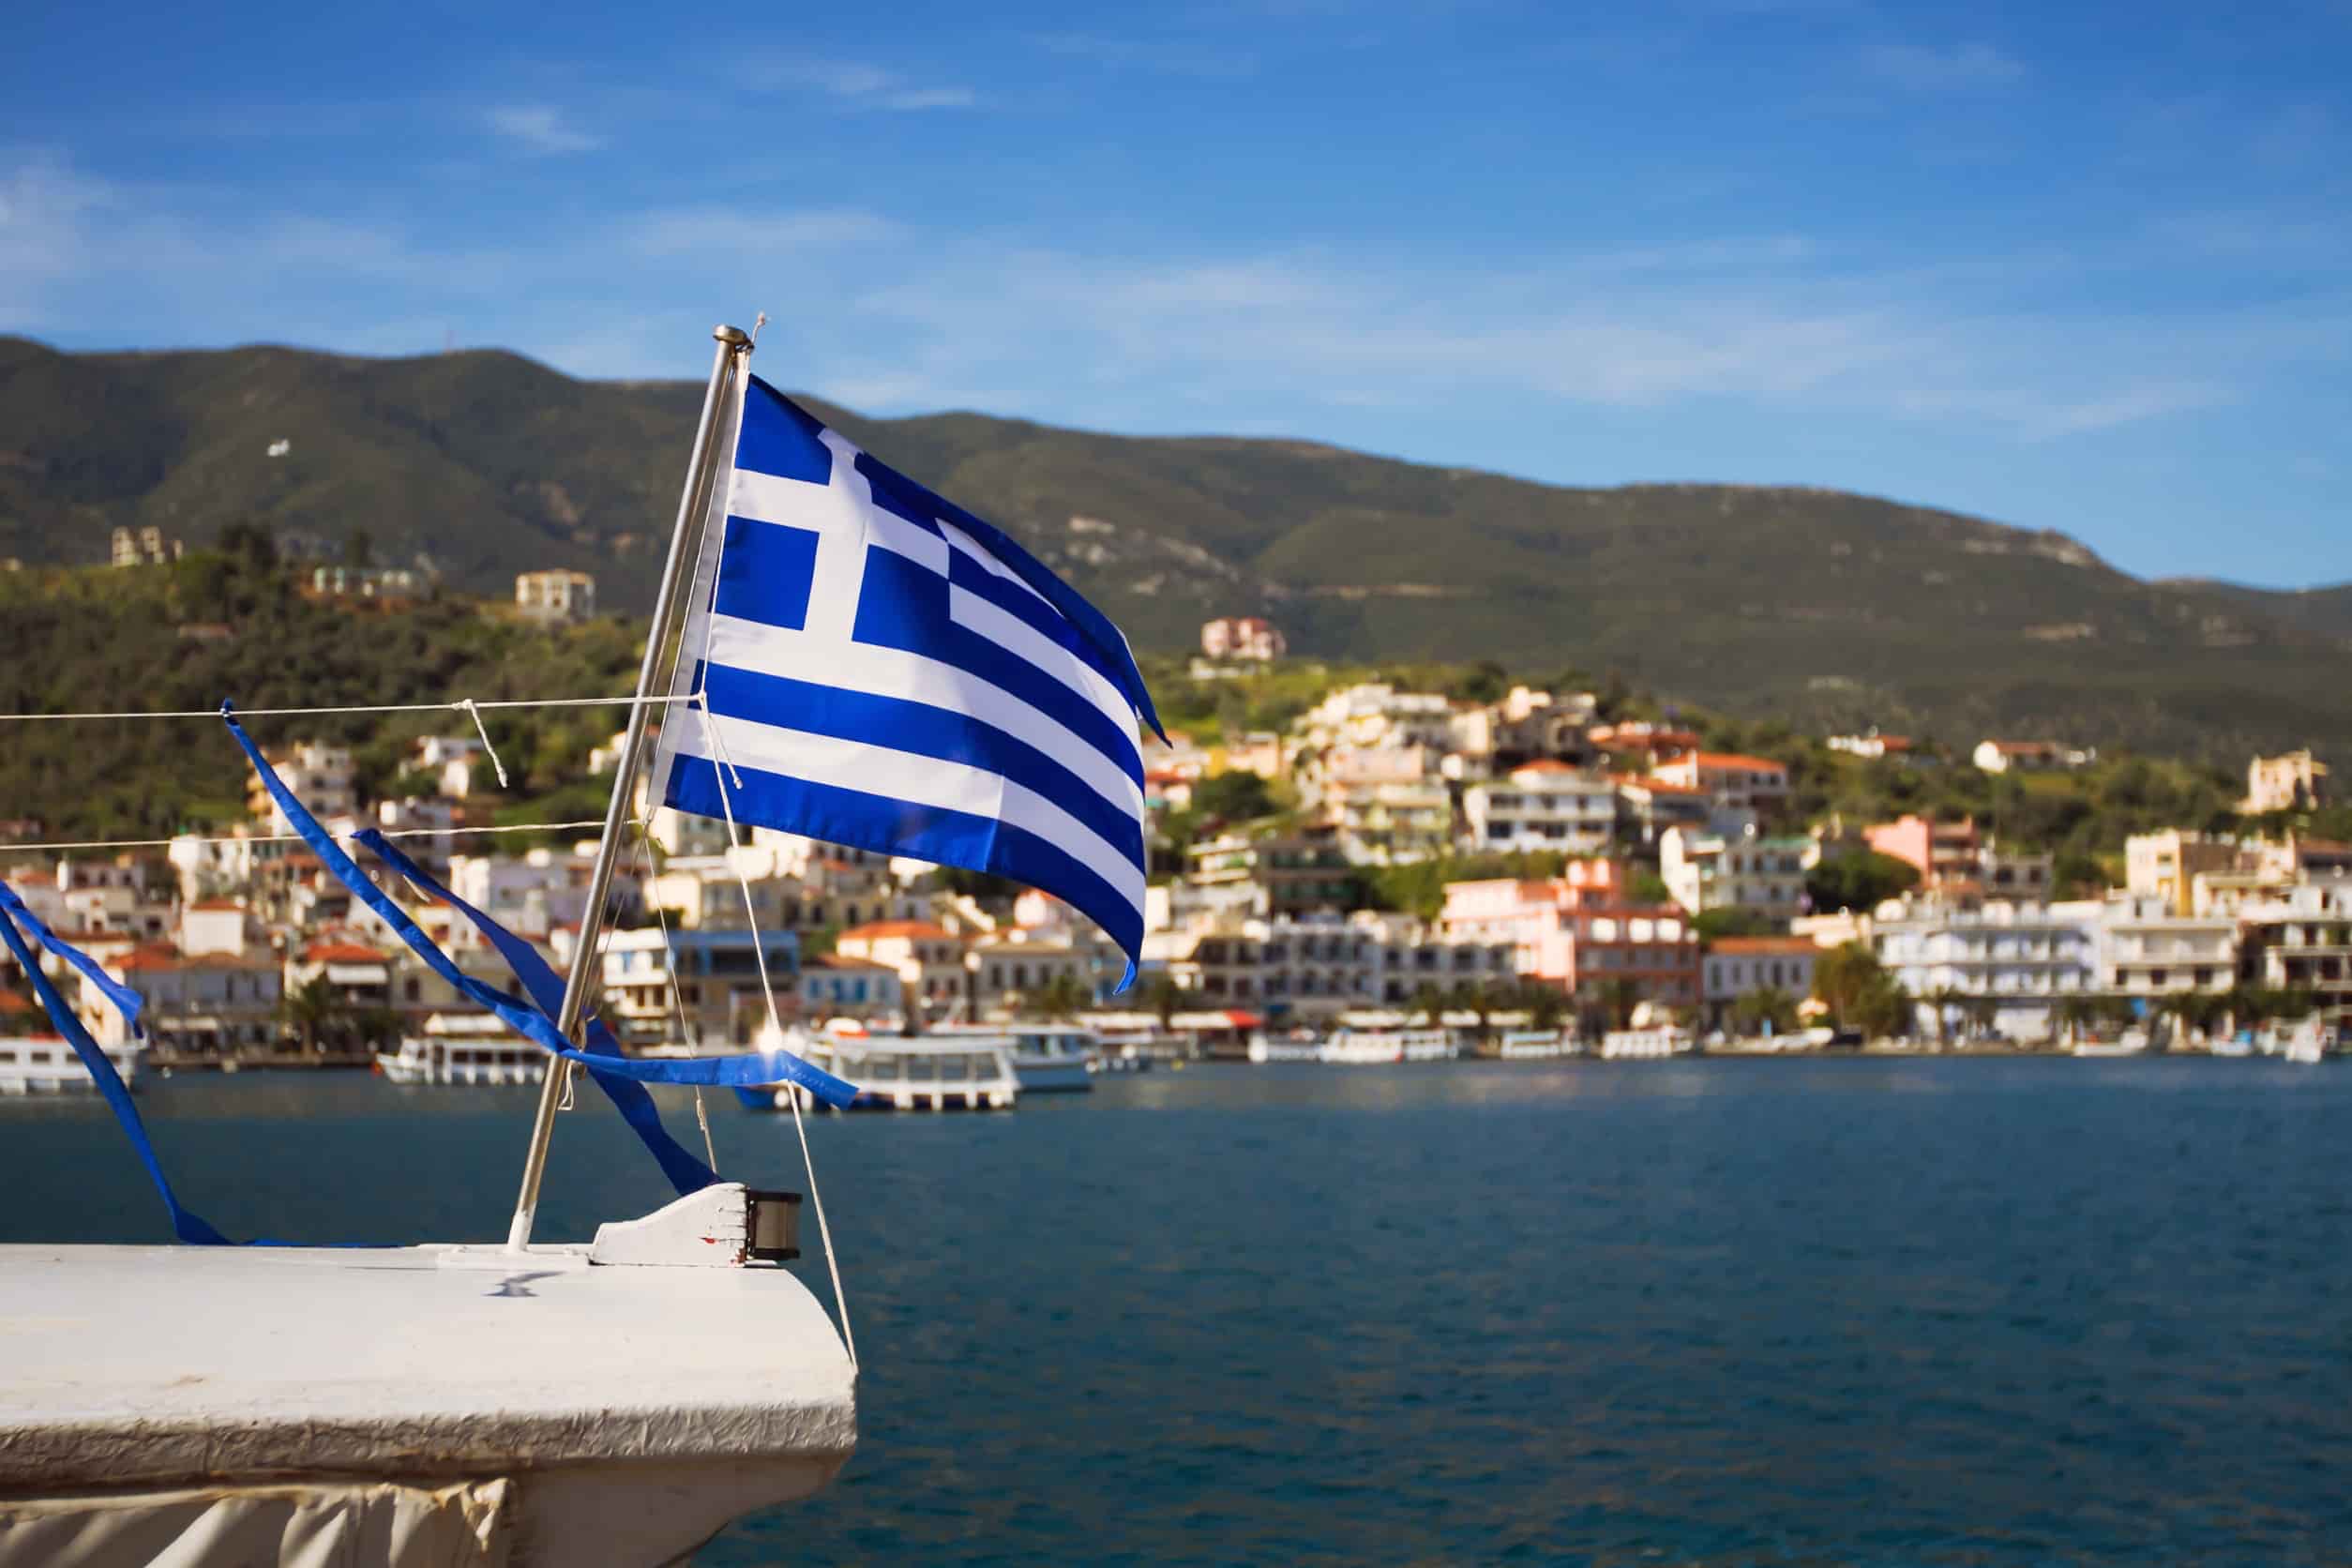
1832	1311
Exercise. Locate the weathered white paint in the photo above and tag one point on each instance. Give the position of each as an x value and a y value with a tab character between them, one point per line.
635	1409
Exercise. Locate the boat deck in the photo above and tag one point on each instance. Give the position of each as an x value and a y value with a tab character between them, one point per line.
631	1410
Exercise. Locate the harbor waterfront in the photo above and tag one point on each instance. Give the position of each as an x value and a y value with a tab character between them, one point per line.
1870	1311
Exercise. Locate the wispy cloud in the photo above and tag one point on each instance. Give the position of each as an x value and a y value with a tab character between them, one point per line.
1164	56
44	205
541	129
724	230
1923	68
861	86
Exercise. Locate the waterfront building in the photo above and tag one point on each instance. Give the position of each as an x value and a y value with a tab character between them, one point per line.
929	958
2147	948
555	597
1746	872
833	986
1322	965
2293	782
358	976
2024	958
2302	941
711	976
211	1001
1582	932
1735	967
1543	805
1005	975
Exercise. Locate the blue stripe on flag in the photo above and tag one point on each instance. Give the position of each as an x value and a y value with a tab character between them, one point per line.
767	409
895	493
779	438
766	571
903	605
1026	607
890	826
927	731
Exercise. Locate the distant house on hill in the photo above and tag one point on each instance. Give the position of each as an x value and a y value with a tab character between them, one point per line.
1874	745
555	597
2031	756
2288	783
1249	636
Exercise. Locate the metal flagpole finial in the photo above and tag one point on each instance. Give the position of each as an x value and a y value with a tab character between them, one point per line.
734	337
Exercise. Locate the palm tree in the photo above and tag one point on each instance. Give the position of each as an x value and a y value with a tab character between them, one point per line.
1618	997
313	1010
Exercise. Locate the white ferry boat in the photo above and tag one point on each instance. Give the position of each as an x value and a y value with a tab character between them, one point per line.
1354	1047
1640	1045
1056	1058
470	1049
1534	1044
906	1072
45	1064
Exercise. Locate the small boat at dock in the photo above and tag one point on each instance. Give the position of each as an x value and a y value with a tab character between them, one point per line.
469	1049
906	1072
46	1065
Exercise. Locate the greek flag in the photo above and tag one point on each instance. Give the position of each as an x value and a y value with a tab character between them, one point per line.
883	669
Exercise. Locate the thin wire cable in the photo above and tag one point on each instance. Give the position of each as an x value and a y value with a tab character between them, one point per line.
759	957
294	837
458	707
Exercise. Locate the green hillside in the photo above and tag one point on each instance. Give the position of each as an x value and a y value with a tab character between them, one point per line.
1826	608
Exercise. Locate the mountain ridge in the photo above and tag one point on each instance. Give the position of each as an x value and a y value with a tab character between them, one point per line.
1827	606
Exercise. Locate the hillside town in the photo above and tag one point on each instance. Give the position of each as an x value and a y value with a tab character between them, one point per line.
1590	870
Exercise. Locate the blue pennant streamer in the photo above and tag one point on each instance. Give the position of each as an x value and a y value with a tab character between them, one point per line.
750	1068
187	1227
546	989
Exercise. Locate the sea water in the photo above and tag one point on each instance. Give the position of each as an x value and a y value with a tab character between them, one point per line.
1859	1311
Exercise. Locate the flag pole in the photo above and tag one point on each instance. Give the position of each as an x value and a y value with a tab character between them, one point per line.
733	344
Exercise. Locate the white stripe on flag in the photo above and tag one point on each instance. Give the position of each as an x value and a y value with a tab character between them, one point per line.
765	650
845	504
1016	636
903	775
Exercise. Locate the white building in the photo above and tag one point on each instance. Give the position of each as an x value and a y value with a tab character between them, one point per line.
1542	805
1324	964
533	893
555	597
1735	967
320	777
2023	958
1713	871
2147	949
1733	781
1375	713
2030	755
209	1002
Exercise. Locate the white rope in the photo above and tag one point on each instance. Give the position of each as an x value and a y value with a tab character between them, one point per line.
677	999
474	711
357	708
759	957
293	837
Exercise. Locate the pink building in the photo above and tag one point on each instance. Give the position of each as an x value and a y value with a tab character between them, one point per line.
1580	932
1743	783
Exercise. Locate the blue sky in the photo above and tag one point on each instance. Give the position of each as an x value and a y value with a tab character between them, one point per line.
2080	268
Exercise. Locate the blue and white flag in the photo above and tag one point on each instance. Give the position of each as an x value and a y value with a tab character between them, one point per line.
883	669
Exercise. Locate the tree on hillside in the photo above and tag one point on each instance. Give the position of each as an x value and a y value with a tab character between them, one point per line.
1859	880
1233	797
1859	991
1733	921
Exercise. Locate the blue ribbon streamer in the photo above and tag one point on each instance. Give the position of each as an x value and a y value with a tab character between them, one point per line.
127	1002
546	989
750	1068
187	1227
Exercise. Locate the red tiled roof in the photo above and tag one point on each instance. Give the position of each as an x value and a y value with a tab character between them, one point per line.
340	953
1726	759
209	904
880	929
1763	944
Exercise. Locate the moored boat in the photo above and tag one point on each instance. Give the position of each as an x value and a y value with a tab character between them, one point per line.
906	1072
1052	1059
46	1065
472	1050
